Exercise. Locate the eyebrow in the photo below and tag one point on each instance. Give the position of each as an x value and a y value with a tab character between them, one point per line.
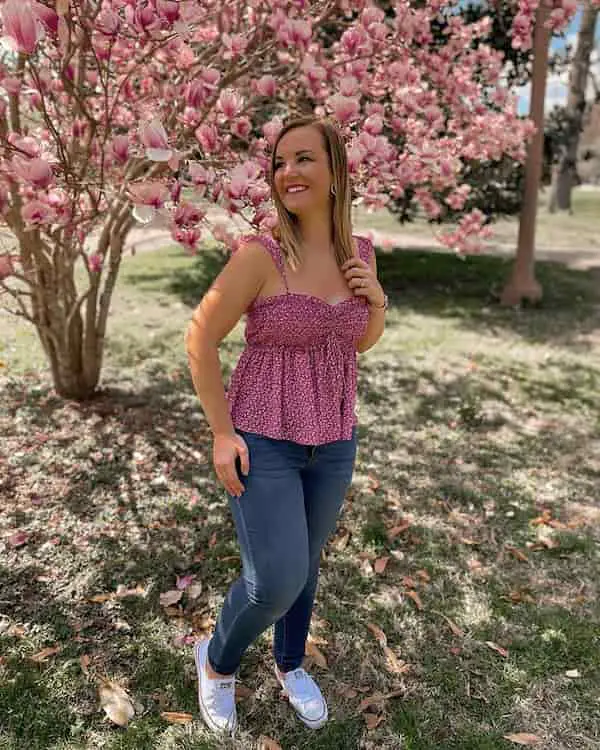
302	151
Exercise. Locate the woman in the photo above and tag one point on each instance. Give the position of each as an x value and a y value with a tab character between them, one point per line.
284	434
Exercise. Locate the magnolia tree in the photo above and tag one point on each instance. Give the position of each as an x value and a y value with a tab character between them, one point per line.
113	110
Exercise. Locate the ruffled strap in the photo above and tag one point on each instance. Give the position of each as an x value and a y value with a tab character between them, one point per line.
365	248
272	247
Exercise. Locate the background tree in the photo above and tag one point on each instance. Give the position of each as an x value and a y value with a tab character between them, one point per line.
564	175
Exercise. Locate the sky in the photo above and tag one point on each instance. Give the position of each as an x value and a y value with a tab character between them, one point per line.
556	88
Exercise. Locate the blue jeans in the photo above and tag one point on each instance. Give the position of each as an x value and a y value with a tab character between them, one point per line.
292	499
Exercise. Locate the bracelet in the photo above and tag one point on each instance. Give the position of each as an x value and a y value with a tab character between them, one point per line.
384	306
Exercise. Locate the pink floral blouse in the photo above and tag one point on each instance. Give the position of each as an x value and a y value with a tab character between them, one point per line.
296	378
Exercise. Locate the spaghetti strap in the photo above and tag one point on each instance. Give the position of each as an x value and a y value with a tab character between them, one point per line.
274	249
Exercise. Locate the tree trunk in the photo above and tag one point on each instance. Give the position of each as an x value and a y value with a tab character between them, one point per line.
565	175
71	323
522	283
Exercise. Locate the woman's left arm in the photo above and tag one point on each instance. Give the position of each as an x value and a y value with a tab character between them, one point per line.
362	279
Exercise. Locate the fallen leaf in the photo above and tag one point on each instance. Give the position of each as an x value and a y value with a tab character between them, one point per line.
85	660
122	591
349	692
467	540
176	717
213	540
517	553
408	582
18	539
541	520
168	598
373	720
116	703
45	653
495	647
341	541
242	691
194	591
373	483
377	699
574	673
381	564
393	663
398	529
267	743
453	626
318	640
415	597
379	634
315	654
522	738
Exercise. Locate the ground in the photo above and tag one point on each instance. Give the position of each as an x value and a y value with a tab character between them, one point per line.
462	582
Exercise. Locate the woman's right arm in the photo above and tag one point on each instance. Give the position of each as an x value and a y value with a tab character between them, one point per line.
220	309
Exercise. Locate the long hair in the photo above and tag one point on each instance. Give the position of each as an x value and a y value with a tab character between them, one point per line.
288	229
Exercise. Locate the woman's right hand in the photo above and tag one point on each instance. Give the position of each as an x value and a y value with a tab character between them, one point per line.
226	448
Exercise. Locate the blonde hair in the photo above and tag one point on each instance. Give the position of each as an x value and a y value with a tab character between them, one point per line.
288	229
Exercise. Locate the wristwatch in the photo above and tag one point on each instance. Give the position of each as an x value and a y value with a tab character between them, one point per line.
385	303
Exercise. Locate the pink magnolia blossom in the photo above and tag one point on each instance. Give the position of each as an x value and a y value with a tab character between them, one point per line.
154	137
266	86
208	138
94	262
188	237
107	22
35	171
37	213
187	215
120	148
47	16
230	103
345	109
21	25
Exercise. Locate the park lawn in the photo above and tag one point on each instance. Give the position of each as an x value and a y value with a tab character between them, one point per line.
470	536
557	232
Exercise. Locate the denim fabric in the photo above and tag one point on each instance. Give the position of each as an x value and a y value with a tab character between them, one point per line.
292	499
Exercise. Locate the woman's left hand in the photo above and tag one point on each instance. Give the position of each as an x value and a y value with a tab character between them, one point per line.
363	281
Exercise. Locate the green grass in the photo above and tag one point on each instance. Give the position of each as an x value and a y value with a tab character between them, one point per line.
562	236
474	421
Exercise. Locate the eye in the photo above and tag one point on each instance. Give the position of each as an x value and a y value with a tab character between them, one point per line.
304	158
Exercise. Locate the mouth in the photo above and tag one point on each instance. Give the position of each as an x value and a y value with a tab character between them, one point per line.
295	189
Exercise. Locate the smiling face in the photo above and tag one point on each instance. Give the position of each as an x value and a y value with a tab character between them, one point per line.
301	172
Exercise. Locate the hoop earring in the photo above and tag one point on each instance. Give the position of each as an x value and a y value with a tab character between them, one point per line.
333	191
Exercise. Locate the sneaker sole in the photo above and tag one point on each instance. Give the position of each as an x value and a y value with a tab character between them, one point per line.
310	723
203	710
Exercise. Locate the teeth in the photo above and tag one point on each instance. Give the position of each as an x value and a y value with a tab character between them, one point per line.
296	189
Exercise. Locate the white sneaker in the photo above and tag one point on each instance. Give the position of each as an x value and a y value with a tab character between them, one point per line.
216	698
304	695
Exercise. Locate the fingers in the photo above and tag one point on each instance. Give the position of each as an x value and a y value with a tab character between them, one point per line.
357	262
244	457
229	478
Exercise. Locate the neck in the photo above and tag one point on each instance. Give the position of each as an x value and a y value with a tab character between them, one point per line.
316	232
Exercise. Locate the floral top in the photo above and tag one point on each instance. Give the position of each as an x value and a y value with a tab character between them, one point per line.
296	378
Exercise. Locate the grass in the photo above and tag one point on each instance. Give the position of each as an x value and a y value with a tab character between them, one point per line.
478	425
559	234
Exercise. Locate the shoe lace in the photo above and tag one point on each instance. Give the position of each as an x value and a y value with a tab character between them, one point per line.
301	685
222	695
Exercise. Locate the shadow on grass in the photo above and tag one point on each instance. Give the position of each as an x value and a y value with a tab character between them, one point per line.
467	289
190	282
